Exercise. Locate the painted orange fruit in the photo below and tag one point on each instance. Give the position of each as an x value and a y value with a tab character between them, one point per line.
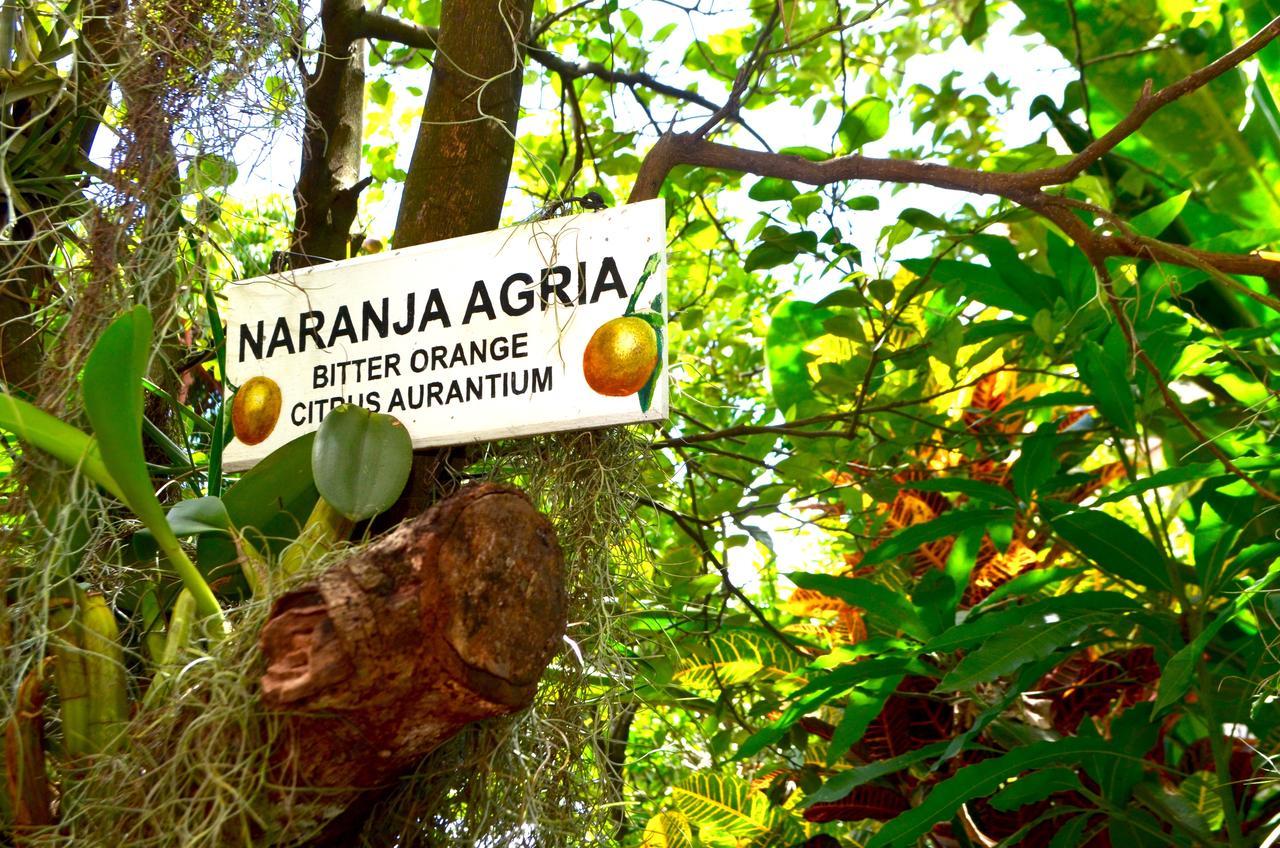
621	356
255	410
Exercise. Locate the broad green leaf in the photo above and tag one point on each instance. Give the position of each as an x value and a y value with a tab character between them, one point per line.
1006	652
949	523
192	517
793	324
867	121
821	689
1107	378
1176	476
1220	521
1030	788
1115	547
361	461
199	515
1031	581
976	282
876	599
1027	678
974	489
980	780
1038	462
60	440
866	701
112	390
979	628
1155	220
846	781
1133	734
773	188
268	504
1180	669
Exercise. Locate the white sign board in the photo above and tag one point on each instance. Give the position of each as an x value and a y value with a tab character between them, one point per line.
507	333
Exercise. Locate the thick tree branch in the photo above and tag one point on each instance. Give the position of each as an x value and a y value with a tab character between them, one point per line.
675	149
369	24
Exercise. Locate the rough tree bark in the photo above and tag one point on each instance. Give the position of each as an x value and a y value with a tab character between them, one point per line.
457	178
328	188
449	619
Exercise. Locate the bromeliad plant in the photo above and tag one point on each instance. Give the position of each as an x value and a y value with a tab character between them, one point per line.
292	509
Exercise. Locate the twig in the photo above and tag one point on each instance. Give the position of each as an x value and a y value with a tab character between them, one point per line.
1080	66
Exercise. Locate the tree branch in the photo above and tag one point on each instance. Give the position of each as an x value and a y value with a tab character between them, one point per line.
674	149
631	79
1148	104
369	24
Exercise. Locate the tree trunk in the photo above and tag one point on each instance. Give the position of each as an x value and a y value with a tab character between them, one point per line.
328	188
458	176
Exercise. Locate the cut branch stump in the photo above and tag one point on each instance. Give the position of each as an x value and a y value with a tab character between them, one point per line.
451	618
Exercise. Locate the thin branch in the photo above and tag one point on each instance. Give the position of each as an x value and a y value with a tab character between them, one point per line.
631	79
1080	66
695	536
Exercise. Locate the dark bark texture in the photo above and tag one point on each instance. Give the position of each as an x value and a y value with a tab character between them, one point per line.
450	618
328	188
462	162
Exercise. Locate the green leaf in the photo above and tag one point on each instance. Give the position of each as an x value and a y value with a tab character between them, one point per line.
1038	461
813	154
1006	652
980	780
866	122
949	523
210	170
793	324
113	395
1031	581
1037	786
193	517
60	440
977	628
1157	219
1107	377
361	460
1179	670
821	689
975	26
872	597
865	703
974	489
1115	547
654	318
769	255
199	515
773	188
846	781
